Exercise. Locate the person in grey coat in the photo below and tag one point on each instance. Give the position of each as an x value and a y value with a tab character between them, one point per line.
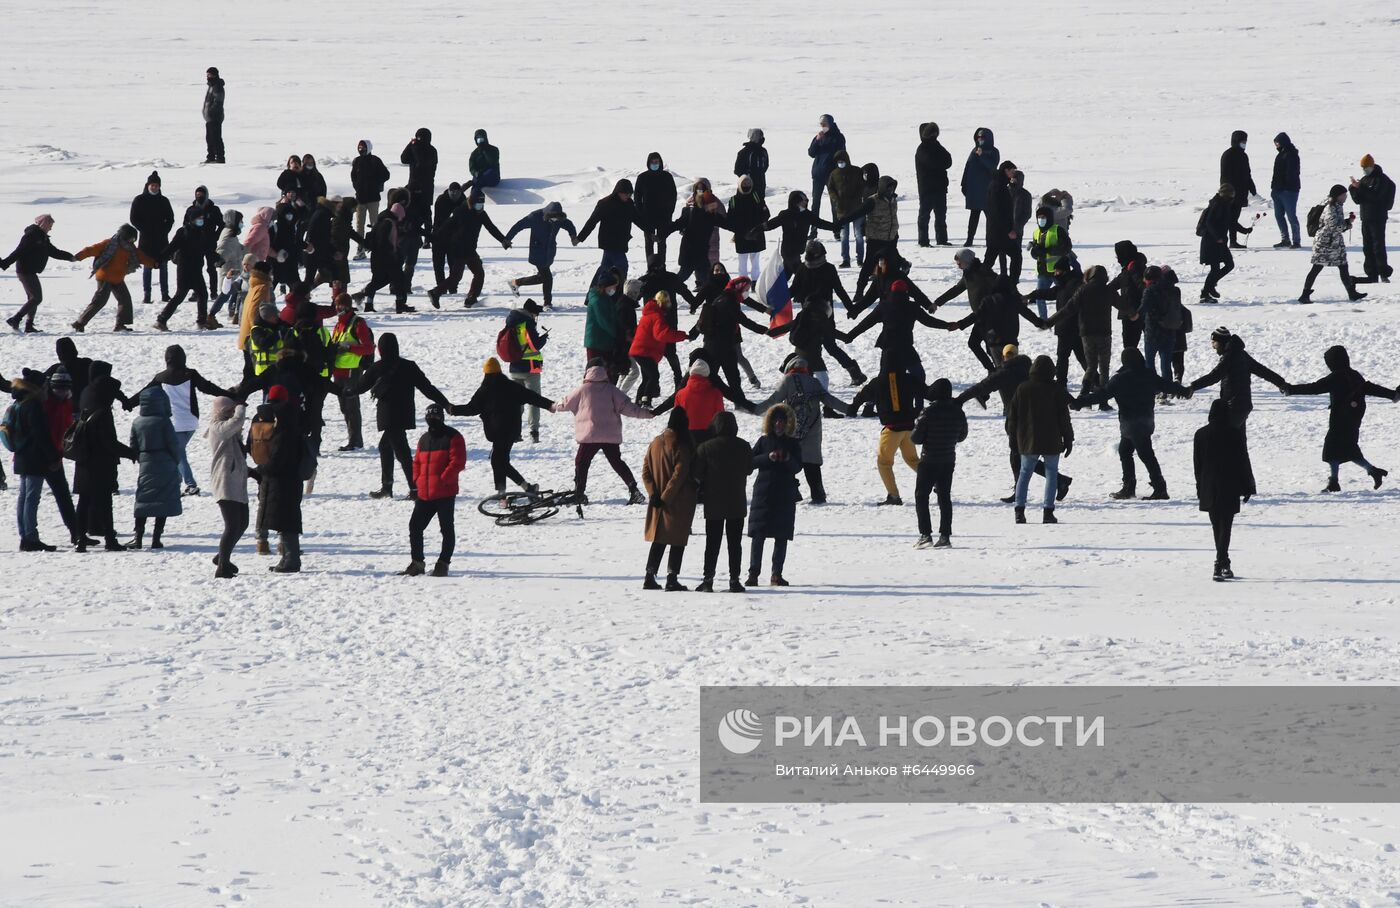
1330	247
228	474
158	458
806	396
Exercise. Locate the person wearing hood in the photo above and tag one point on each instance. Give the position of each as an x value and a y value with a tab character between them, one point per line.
600	319
931	164
158	454
452	198
655	201
289	180
96	454
180	383
438	462
613	215
386	261
59	415
1163	318
598	407
421	158
822	150
287	235
777	458
460	234
113	260
1092	307
392	380
1224	478
1234	172
719	324
228	474
1330	247
1067	281
30	258
1008	208
1284	188
209	222
186	249
879	217
1347	390
323	263
740	290
997	308
1127	283
1039	417
940	429
978	173
282	470
898	394
699	222
658	280
29	438
1234	372
812	331
752	161
667	475
213	116
798	224
649	344
233	271
153	219
805	396
499	402
1015	371
896	316
368	175
846	189
1135	388
484	162
1374	195
1216	225
544	225
721	470
78	368
747	215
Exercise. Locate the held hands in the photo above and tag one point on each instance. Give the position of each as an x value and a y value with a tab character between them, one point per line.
777	456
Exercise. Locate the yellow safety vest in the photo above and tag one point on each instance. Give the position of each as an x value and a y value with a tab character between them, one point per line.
344	359
324	334
528	351
1047	238
263	357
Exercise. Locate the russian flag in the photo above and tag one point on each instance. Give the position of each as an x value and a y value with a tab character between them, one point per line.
772	291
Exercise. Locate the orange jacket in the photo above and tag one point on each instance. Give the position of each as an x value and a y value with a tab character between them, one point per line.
117	267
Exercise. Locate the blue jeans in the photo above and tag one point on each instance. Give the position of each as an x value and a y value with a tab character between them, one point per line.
185	472
858	226
1158	348
611	259
164	280
1043	282
1052	478
1286	213
27	507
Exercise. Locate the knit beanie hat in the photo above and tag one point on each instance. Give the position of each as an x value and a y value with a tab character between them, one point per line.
1009	351
1368	161
45	221
700	368
492	366
1220	334
1336	190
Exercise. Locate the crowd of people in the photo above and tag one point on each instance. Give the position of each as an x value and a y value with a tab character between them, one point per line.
298	354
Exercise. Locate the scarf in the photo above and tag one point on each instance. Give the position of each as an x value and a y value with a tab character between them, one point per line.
114	245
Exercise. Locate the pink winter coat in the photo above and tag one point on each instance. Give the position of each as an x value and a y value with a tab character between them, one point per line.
257	243
598	407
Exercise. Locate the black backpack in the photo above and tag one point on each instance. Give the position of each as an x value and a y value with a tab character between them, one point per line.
1315	218
1201	221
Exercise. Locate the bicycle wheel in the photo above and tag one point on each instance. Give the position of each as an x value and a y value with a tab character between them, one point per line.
526	516
499	506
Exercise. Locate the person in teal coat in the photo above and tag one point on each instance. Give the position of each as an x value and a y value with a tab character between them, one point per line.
158	458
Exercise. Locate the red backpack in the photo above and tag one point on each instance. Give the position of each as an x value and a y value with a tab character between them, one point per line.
507	345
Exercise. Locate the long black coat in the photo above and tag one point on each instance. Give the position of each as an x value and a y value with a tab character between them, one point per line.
1348	390
1234	168
1223	472
392	380
614	219
747	215
498	401
96	471
773	512
1234	372
153	217
282	476
931	162
722	466
655	198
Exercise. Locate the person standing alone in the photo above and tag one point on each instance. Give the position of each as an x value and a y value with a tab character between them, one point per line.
214	116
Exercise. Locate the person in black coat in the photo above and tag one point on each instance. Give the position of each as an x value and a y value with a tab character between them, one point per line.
1374	195
367	177
282	476
289	180
721	469
452	197
940	429
392	381
931	164
422	159
385	262
30	258
747	215
822	150
187	250
655	280
1224	478
153	217
613	215
655	200
978	171
797	223
1128	282
752	161
896	317
1234	171
1234	372
97	456
1134	388
777	458
460	233
1217	225
208	220
213	111
1284	189
1348	391
312	182
1015	370
1000	208
287	237
701	216
499	401
1068	279
719	323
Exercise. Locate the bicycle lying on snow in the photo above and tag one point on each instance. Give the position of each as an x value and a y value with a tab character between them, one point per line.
524	508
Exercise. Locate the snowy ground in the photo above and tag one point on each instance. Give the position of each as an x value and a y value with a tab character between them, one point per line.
525	732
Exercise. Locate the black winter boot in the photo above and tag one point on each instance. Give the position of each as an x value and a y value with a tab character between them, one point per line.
675	586
1159	493
415	569
735	586
1020	515
1333	485
1377	474
649	583
1128	491
706	586
1048	516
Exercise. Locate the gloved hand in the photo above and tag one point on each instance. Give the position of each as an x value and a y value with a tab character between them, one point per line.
1069	448
657	503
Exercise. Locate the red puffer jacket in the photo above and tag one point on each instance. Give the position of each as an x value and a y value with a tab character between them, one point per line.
701	400
653	334
438	463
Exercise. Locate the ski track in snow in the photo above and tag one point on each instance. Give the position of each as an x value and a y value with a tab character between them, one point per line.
524	733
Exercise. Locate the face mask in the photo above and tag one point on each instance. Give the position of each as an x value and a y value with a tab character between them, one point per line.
1042	221
480	206
1242	144
842	165
823	128
1367	170
653	167
481	141
981	142
199	222
611	291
